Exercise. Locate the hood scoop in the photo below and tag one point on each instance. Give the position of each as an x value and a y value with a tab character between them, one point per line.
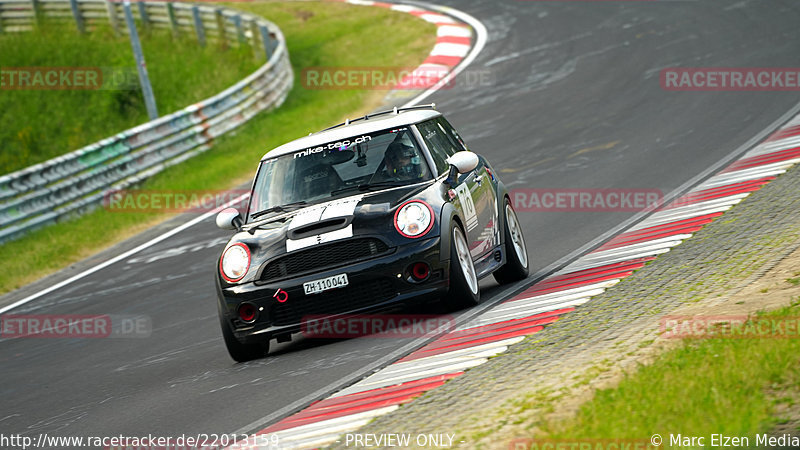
323	226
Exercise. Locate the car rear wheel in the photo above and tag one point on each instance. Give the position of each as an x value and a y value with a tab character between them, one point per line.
464	291
238	351
516	266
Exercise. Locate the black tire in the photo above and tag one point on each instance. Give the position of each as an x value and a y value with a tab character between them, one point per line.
516	267
238	351
463	293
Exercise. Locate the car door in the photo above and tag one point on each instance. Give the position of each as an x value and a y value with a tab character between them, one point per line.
485	199
473	190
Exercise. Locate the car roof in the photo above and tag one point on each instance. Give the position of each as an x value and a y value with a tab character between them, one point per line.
366	126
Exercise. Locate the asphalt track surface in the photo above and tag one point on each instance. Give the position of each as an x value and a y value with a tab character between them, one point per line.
573	101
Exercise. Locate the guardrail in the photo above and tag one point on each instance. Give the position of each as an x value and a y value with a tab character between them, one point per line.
76	182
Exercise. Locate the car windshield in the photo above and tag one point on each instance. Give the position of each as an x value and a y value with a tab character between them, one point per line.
338	169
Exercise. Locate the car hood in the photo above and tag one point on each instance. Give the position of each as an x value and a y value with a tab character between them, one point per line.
363	214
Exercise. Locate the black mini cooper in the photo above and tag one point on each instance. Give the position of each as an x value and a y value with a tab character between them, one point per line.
364	217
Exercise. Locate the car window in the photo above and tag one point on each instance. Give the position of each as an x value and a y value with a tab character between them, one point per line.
451	134
339	169
439	145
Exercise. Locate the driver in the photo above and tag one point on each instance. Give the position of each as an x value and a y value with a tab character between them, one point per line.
402	162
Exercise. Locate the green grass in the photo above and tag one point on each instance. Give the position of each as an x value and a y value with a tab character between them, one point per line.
37	125
318	34
728	386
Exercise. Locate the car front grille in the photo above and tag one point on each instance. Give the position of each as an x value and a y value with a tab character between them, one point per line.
323	257
333	302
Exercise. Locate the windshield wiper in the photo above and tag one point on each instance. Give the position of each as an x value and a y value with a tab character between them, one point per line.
278	208
367	186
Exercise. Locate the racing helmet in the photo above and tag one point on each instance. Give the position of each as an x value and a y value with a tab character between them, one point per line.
403	161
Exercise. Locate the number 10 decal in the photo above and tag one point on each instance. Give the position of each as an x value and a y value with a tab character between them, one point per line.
468	205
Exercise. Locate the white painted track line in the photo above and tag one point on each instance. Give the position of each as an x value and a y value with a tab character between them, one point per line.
122	256
378	380
774	146
579	265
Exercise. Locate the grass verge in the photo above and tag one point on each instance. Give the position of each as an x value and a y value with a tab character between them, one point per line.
730	386
318	34
37	125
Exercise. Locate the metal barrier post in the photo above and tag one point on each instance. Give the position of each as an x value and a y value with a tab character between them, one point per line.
254	39
143	13
198	26
76	13
237	20
37	12
267	42
144	80
173	22
112	16
220	27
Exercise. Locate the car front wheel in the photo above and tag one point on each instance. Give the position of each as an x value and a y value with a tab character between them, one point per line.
516	266
464	291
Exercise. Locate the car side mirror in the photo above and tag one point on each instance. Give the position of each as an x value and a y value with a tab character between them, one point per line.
229	219
460	162
464	161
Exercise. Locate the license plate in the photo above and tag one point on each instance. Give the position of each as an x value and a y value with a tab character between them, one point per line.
325	284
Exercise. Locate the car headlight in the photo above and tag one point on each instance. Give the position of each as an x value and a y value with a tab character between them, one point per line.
413	219
234	262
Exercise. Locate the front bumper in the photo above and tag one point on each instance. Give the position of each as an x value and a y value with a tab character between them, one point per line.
377	285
